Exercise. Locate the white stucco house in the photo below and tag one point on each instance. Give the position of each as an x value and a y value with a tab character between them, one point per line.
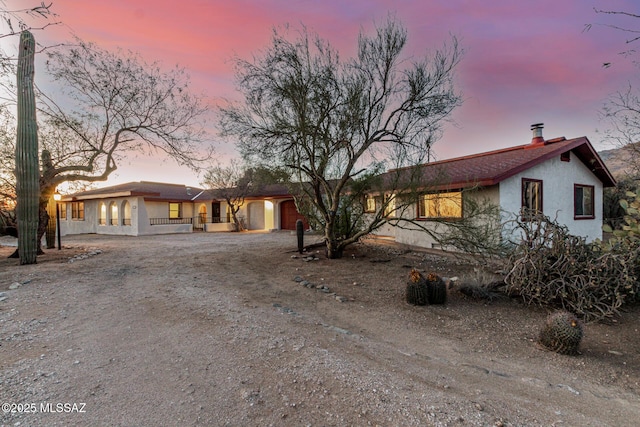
144	208
562	178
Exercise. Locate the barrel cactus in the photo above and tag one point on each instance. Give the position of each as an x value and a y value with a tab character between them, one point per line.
416	288
562	333
436	289
27	165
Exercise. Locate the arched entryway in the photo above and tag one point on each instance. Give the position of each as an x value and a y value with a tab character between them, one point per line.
113	210
202	218
126	213
255	212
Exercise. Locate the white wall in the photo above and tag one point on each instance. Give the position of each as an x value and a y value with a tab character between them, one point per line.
558	179
413	235
141	211
255	219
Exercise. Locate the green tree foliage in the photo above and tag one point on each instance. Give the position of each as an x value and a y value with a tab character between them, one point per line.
628	231
335	124
613	211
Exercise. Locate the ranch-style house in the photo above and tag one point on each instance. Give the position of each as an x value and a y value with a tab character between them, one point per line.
562	178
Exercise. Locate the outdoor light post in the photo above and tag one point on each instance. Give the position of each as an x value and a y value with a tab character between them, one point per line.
57	196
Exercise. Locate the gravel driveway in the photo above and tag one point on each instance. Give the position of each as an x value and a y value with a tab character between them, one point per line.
220	330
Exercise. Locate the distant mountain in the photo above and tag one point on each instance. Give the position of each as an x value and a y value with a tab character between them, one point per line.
617	160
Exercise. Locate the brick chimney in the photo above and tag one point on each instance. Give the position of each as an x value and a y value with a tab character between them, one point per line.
537	134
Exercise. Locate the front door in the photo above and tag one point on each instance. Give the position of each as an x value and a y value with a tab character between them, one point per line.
215	212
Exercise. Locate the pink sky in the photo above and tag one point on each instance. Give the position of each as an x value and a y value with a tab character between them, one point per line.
526	62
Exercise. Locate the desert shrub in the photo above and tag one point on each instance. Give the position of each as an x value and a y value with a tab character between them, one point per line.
551	267
627	230
613	210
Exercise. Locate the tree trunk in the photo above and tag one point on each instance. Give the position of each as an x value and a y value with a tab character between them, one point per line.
27	165
236	221
334	249
43	225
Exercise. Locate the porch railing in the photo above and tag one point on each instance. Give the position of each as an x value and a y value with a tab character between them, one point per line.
170	221
197	221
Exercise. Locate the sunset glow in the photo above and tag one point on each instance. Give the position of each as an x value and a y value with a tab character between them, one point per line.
524	62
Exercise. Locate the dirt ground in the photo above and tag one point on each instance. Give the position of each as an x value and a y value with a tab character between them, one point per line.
220	330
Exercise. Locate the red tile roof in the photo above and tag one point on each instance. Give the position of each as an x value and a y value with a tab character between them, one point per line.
483	169
265	191
492	167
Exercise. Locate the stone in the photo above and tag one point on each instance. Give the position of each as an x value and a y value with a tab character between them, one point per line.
298	279
15	285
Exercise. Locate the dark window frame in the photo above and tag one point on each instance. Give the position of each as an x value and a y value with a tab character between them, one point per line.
576	206
367	208
77	211
422	215
526	209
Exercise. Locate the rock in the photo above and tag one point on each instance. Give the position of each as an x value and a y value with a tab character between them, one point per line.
340	298
2	298
298	279
15	285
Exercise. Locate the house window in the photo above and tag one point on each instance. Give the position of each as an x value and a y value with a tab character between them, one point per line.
126	209
175	210
531	196
62	209
440	205
369	203
114	213
583	206
389	205
566	156
77	211
102	218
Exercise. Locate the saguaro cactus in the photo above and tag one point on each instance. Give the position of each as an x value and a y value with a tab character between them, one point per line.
27	171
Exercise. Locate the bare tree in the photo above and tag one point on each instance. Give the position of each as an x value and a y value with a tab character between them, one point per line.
17	20
229	184
335	124
622	109
236	181
110	105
